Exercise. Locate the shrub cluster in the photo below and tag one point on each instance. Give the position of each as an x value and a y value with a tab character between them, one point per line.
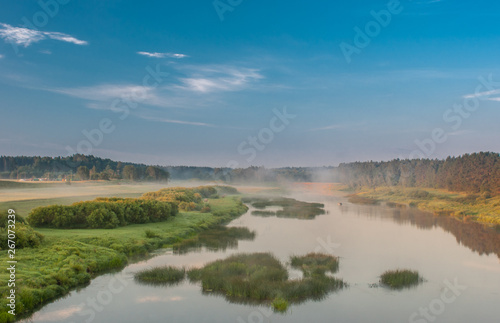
189	199
107	213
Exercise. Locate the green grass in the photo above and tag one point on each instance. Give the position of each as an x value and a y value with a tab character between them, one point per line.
70	258
291	208
166	275
215	239
468	207
262	278
315	264
280	305
400	278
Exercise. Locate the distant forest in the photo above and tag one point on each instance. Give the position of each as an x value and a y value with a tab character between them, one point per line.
472	173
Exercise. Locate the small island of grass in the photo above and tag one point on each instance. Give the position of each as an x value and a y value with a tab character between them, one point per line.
166	275
400	278
262	278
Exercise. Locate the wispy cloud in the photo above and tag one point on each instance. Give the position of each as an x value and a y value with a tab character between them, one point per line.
196	87
220	78
163	55
105	92
191	123
484	95
338	126
1	56
25	37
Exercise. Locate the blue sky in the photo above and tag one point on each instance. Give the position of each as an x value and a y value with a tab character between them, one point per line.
192	82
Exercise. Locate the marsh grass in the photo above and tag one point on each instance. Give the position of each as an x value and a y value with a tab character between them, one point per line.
166	275
291	208
214	239
280	305
263	213
315	264
400	278
356	199
261	277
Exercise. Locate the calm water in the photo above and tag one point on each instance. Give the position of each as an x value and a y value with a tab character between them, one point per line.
369	240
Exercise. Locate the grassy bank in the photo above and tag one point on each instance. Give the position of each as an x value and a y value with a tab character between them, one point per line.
68	258
480	208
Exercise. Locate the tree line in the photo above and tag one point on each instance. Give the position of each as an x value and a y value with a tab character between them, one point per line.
471	173
77	167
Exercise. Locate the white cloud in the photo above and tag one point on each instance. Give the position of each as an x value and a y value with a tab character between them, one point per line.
1	56
220	78
25	37
484	95
163	55
198	87
191	123
107	92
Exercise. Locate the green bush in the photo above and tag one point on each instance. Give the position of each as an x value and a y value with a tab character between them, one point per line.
26	237
107	213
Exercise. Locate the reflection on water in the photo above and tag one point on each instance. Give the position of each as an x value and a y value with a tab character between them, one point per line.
475	236
219	238
369	239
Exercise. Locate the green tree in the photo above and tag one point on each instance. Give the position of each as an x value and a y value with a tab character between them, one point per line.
129	172
83	172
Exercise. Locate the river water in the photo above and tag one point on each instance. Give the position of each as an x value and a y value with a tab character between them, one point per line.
459	262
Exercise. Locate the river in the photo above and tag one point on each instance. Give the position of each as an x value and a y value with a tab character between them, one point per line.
459	262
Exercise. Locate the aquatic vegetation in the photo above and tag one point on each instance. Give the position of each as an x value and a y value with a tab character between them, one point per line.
400	278
356	199
315	264
161	275
291	208
217	238
261	277
280	305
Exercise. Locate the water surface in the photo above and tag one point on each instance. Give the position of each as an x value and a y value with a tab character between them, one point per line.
368	240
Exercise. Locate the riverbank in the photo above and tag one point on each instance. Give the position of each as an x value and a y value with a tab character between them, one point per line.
68	258
480	208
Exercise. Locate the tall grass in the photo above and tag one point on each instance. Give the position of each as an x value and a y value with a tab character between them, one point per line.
161	275
291	208
400	278
261	277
